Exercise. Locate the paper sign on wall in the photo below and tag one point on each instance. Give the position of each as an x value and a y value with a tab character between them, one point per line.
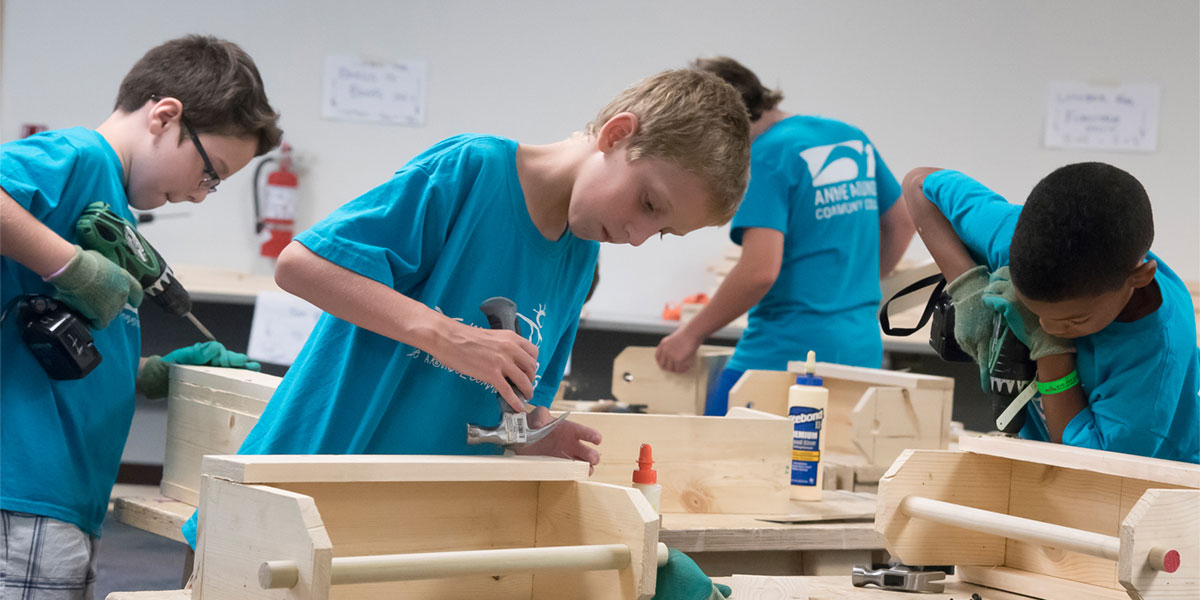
392	92
280	326
1096	117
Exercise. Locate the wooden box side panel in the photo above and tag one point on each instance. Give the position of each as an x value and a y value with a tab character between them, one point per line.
762	390
1071	498
399	518
595	513
241	526
705	464
201	421
957	477
1166	519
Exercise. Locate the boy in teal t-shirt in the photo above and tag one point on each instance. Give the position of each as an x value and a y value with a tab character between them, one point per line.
404	359
191	112
1110	325
818	227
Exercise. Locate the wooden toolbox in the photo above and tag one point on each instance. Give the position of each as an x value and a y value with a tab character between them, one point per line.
1046	520
637	379
427	527
873	415
736	464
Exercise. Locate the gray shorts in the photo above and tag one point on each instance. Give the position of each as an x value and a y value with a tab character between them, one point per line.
45	559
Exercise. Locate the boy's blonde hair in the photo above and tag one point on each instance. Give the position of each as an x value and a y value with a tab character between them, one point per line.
695	120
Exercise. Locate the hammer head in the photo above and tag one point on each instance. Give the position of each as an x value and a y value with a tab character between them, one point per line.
513	431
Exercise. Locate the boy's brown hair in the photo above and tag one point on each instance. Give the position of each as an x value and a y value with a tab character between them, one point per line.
695	120
757	97
215	80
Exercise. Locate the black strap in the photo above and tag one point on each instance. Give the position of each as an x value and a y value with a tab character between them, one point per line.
884	321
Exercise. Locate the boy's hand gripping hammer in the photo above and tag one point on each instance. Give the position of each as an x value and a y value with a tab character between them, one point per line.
513	431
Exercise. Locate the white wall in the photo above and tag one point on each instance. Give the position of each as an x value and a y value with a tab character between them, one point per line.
954	83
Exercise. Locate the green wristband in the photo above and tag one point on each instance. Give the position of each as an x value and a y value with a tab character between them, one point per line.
1059	385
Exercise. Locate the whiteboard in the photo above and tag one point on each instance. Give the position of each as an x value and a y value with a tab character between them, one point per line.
951	83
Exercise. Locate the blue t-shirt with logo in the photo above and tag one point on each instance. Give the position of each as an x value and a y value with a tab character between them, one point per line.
450	229
61	441
1141	378
823	185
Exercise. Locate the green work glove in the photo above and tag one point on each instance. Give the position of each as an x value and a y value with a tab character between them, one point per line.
1001	296
972	318
152	381
681	579
96	287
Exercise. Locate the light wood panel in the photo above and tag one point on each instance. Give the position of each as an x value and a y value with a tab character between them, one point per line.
596	513
1167	520
637	379
705	464
1086	459
277	468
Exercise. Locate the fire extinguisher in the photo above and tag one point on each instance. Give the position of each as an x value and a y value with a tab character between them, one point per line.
275	213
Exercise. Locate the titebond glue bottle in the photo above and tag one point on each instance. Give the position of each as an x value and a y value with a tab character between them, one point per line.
807	401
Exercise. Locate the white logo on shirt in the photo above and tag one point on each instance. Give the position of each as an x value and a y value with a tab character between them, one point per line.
844	161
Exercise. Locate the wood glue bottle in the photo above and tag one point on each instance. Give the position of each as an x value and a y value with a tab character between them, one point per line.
645	478
807	401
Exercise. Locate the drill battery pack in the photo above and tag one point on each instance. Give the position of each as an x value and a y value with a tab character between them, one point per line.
58	337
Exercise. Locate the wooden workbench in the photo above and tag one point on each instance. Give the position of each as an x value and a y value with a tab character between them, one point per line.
829	536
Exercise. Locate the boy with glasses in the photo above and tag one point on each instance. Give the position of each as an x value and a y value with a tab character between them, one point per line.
190	112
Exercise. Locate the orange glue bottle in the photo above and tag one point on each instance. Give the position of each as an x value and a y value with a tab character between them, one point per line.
645	478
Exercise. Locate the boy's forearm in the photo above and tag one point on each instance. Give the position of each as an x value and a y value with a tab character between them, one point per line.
26	240
358	299
749	280
935	230
896	231
1059	408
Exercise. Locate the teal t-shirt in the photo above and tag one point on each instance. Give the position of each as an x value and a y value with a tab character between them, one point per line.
1142	378
823	185
450	230
61	441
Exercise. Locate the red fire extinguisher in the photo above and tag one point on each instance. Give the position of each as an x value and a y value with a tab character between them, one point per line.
276	212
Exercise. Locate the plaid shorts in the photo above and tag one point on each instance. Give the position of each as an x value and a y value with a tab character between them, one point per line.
45	559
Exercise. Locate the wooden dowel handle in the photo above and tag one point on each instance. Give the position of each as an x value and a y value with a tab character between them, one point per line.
1016	528
439	565
663	554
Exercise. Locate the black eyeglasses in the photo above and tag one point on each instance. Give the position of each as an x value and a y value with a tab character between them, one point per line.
211	179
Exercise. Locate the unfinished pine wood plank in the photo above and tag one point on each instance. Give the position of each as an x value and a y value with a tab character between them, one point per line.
595	513
281	468
881	377
748	533
961	478
198	427
838	587
159	515
835	505
376	518
704	464
241	526
1082	500
156	595
758	587
762	390
1164	520
241	382
1042	586
1086	459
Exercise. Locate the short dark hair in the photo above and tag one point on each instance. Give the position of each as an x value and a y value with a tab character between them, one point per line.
215	80
1082	231
757	98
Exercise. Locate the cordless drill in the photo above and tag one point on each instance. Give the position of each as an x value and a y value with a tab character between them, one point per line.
59	336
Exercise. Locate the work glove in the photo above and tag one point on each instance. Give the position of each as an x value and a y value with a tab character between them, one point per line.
681	579
1000	296
96	287
972	318
152	381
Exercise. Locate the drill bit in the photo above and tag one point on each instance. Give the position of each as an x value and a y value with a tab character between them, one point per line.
208	334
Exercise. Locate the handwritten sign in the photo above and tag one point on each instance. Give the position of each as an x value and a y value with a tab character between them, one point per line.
1095	117
280	326
391	93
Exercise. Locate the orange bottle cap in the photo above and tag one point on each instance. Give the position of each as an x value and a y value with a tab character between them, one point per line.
644	474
